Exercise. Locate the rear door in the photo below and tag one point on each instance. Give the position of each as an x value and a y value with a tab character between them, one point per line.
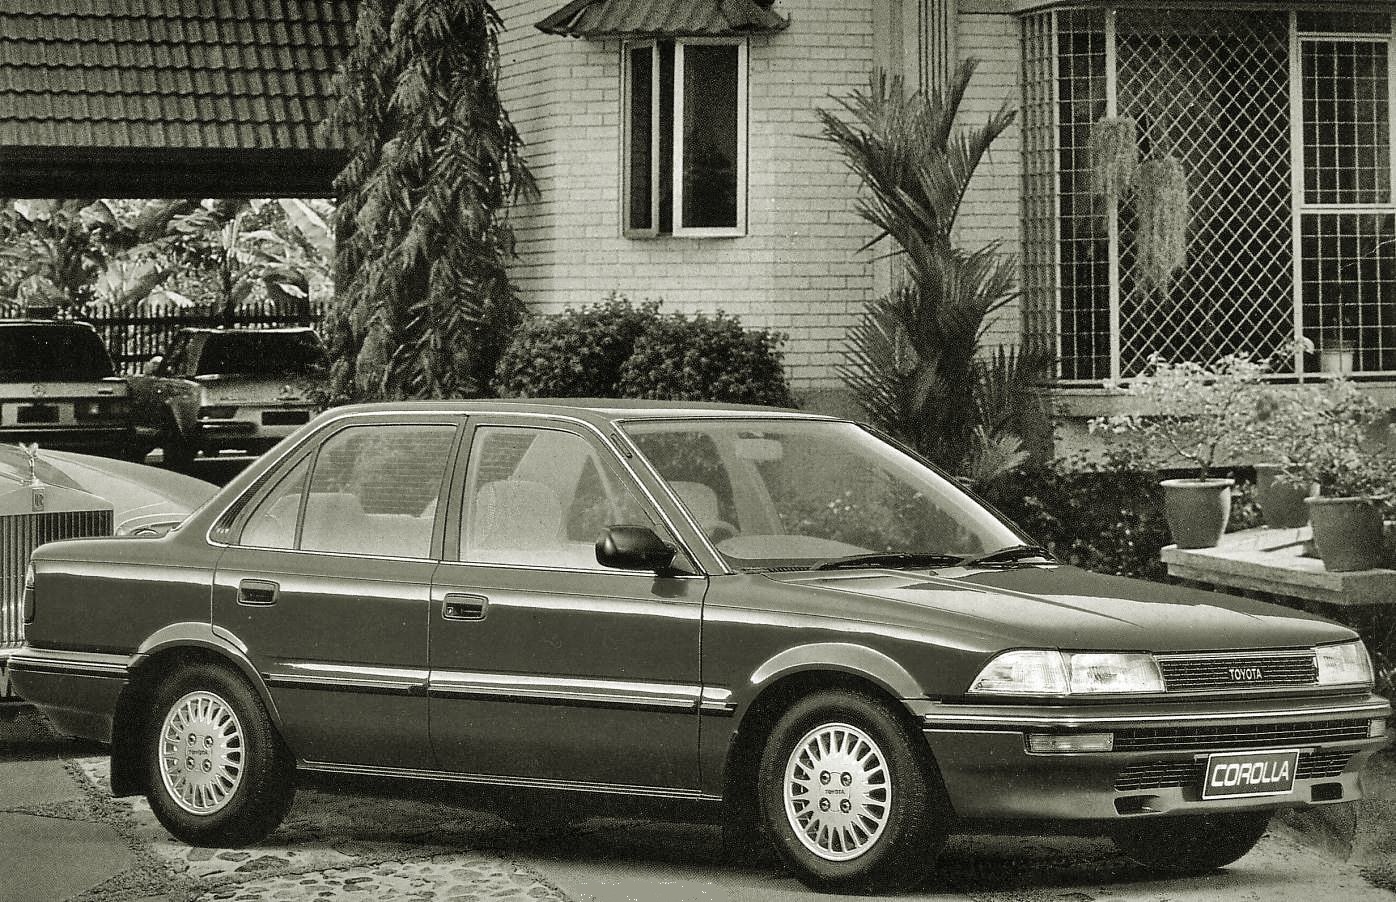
546	666
329	584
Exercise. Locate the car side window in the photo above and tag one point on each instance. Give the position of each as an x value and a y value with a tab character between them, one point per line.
371	490
273	523
541	498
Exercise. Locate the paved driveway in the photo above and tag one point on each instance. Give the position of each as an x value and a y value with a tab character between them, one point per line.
63	837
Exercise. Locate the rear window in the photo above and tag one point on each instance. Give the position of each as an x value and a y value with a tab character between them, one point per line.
262	353
52	353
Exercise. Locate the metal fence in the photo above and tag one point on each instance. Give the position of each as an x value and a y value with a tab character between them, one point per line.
135	335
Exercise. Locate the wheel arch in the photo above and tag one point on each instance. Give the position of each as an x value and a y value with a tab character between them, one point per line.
176	645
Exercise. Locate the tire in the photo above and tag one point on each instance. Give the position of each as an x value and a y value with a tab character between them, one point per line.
236	784
881	815
1194	844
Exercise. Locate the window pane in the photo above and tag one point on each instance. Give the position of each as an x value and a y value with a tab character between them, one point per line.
374	490
641	148
710	136
273	523
540	498
1346	115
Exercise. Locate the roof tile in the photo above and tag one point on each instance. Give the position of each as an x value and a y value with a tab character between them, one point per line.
204	73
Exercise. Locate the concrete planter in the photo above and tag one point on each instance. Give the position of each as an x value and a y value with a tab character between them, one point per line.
1281	503
1348	533
1197	510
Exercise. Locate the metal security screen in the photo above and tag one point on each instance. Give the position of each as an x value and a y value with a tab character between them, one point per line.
1281	122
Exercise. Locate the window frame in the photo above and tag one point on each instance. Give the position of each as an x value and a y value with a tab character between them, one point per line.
677	229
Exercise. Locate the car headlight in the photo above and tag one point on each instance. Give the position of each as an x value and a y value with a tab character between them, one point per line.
1045	672
1344	664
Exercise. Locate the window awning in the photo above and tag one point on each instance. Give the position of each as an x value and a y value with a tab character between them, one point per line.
662	18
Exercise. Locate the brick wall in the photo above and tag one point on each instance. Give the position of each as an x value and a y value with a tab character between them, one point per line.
991	207
797	270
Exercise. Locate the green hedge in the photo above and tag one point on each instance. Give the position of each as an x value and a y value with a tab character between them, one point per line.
617	349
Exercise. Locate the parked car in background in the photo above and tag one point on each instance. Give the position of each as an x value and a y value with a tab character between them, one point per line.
50	495
58	388
228	392
772	618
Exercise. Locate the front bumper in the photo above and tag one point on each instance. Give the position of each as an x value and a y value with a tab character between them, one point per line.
1158	762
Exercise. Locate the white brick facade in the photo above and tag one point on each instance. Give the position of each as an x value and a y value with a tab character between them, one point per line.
798	269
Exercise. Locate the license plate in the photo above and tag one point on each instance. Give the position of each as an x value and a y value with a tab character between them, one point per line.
1237	775
37	413
285	417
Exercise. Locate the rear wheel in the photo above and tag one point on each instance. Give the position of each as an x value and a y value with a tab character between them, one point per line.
217	773
1193	844
849	795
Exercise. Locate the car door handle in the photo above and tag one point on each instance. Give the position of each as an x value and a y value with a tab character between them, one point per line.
259	592
459	606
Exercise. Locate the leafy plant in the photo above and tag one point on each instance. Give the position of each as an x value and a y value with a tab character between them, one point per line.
1193	414
1329	434
576	353
914	360
424	305
1114	155
1161	240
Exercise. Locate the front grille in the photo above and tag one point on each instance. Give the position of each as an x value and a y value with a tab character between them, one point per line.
1164	774
1247	736
20	534
1199	673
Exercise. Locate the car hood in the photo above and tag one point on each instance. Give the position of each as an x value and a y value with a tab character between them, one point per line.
139	495
1063	607
282	389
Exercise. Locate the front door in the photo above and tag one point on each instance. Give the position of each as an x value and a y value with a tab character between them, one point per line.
329	588
545	665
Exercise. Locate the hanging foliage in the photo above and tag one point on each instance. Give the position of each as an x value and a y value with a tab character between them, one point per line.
1161	202
424	305
1114	149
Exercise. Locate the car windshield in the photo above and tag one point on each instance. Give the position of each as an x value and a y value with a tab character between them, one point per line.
804	493
52	352
262	353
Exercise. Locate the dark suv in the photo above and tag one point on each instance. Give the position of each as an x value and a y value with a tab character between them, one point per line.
58	388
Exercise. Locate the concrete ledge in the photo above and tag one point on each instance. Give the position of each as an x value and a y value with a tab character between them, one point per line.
1273	561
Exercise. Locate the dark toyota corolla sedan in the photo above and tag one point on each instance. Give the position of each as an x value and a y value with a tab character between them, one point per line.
768	617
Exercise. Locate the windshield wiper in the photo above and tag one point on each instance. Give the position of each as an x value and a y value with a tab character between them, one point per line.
890	559
1011	554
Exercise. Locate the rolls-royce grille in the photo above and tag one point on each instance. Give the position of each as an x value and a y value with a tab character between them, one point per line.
20	534
1200	673
1163	774
1247	736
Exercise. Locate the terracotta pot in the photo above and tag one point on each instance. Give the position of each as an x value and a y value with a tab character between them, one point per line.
1281	503
1197	510
1348	532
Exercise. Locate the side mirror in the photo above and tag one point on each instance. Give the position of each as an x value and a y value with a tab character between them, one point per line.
634	548
153	364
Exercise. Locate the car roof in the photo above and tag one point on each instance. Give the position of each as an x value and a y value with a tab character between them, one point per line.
62	323
222	330
591	409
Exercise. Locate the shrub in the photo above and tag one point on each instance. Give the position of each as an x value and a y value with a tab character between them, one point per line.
706	358
575	354
621	350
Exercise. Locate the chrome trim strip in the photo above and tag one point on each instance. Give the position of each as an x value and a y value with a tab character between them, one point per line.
935	718
1219	656
716	700
364	770
564	691
349	677
341	683
97	668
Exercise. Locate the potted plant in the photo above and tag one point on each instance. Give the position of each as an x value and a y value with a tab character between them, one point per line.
1281	420
1193	417
1337	449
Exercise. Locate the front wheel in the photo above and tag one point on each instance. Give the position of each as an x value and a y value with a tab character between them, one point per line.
217	773
1194	844
849	795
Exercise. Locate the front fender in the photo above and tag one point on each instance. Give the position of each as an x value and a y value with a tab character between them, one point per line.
842	657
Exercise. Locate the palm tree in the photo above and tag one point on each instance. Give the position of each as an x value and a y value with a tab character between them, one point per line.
914	359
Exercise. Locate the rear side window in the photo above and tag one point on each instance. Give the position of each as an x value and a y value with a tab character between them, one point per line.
52	352
262	353
372	490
